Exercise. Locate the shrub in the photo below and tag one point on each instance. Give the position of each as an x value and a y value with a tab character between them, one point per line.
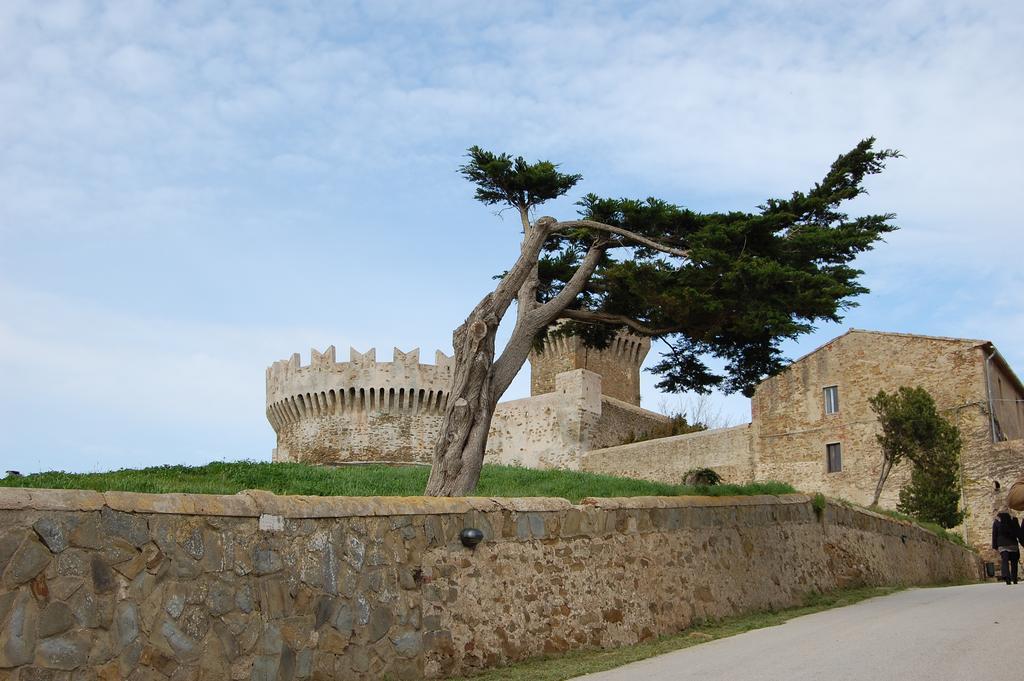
702	476
818	503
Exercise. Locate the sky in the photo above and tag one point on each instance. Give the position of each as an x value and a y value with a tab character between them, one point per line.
190	191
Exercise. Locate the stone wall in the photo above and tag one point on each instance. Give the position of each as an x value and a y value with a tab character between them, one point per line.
618	364
254	586
792	428
553	430
668	459
787	437
623	422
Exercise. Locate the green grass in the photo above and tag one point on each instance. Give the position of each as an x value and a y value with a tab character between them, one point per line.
577	663
369	480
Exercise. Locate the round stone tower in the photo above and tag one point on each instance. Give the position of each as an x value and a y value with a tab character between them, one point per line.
360	410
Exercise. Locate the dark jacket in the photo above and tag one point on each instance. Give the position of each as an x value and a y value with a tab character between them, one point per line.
1005	531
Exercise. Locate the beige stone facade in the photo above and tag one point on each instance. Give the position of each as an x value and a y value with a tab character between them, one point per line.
331	412
360	410
618	364
791	430
556	429
255	586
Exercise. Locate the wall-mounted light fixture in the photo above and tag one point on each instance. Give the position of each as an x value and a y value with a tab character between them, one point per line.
470	537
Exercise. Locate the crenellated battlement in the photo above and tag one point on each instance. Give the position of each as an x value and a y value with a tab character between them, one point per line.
625	348
352	391
619	364
326	361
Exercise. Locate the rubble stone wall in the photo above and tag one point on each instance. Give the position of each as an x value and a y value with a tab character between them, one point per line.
100	586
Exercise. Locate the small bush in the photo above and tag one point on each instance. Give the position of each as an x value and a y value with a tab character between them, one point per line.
818	503
702	476
682	426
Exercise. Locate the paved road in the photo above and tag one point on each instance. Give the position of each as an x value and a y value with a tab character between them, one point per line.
958	633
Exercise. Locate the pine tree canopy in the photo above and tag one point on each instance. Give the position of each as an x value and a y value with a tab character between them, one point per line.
733	285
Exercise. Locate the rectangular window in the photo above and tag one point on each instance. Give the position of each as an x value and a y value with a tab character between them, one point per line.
832	399
834	454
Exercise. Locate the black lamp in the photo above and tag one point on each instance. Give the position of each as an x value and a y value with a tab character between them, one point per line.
470	537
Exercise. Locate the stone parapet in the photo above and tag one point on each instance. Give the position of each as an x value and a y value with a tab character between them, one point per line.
254	503
112	585
667	459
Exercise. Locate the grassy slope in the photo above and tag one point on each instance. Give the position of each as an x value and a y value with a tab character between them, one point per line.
369	480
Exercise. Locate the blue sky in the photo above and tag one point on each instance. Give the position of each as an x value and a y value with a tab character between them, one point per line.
193	190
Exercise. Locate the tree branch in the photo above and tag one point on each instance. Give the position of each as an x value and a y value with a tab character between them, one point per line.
509	286
507	365
625	234
549	311
588	317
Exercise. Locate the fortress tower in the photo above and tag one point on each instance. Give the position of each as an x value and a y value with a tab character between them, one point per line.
618	364
331	412
360	410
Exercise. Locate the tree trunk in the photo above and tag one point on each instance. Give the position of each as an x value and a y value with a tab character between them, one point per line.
883	475
459	453
478	380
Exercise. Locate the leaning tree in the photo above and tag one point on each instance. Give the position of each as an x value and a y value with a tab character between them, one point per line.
732	285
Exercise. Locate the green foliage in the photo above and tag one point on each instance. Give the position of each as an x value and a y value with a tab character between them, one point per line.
369	480
911	425
702	476
680	425
913	429
502	179
818	503
750	281
933	493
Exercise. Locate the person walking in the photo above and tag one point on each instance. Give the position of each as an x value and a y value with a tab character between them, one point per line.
1006	534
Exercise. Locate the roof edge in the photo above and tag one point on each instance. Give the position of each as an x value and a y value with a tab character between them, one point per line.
900	334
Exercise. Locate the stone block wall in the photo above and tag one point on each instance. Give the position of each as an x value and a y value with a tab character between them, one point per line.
623	422
618	364
668	459
254	586
555	429
362	410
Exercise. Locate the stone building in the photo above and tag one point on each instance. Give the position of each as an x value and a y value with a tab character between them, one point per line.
812	426
331	412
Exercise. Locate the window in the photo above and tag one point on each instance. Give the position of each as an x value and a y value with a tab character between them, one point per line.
832	399
834	455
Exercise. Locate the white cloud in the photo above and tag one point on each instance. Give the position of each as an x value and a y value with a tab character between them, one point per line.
141	69
213	123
